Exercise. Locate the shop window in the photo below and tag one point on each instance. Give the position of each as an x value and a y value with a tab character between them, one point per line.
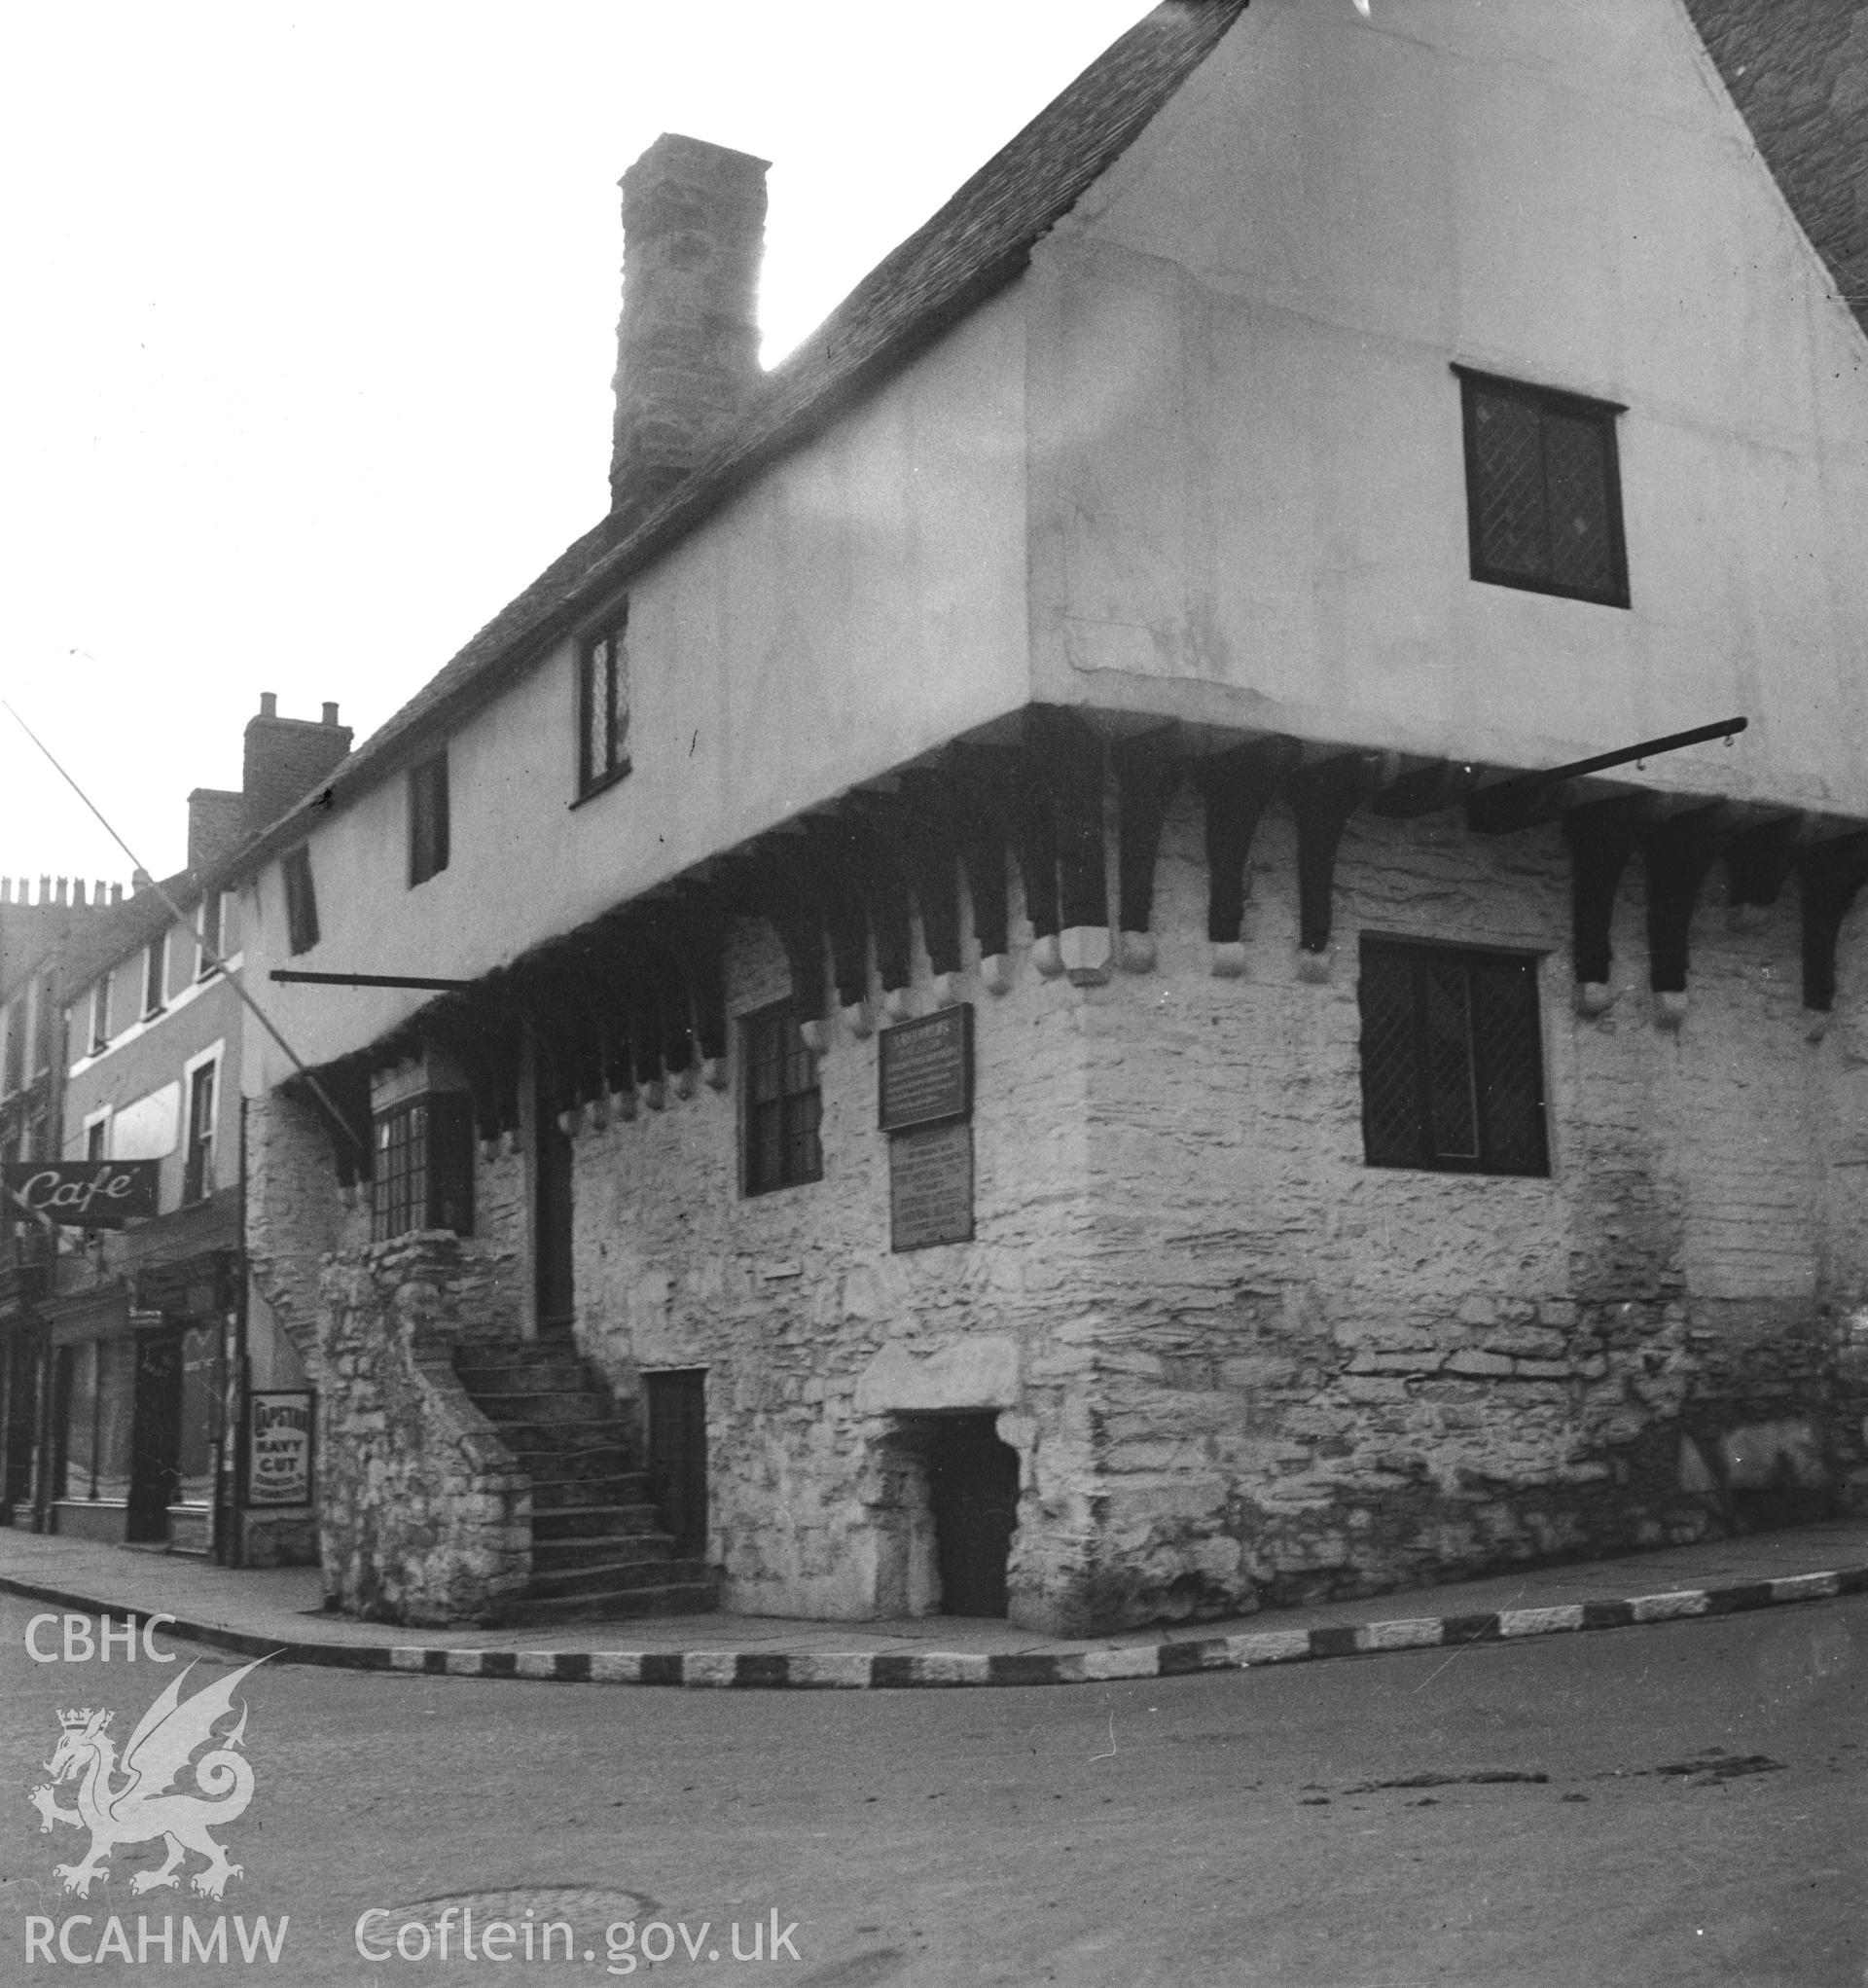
1543	489
603	706
94	1386
782	1103
198	1165
1452	1074
156	976
200	1408
427	819
425	1165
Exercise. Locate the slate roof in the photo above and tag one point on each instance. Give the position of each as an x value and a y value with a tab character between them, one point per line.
122	930
975	245
1797	70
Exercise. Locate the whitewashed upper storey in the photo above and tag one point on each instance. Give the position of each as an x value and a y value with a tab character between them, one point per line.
1248	477
1203	459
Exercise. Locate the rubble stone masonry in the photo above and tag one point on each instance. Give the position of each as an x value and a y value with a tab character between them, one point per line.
426	1518
1238	1365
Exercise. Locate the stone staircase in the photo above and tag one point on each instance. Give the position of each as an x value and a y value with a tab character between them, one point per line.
597	1549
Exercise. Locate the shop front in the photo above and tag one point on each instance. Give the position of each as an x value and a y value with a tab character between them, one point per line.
134	1422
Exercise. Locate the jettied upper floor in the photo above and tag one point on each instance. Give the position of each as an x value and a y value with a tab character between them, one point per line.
1150	456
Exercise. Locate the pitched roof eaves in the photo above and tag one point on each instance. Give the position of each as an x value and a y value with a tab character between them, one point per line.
978	240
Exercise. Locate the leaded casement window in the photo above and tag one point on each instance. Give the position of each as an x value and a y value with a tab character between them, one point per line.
1543	489
427	819
198	1163
425	1165
603	706
782	1103
1453	1067
300	900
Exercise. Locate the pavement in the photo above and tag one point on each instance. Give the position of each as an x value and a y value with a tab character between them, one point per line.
280	1612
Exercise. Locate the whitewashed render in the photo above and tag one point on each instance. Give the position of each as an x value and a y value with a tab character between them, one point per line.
1192	477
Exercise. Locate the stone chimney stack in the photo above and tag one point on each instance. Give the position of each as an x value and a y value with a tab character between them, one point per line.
283	760
694	234
216	828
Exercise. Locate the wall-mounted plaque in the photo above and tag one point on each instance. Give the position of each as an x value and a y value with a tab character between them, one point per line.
930	1186
279	1428
925	1069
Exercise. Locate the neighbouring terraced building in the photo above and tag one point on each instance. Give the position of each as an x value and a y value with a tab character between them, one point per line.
1054	980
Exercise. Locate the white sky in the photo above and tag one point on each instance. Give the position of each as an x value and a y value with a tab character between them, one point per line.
304	365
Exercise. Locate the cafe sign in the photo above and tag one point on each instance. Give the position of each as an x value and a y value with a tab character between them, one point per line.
85	1194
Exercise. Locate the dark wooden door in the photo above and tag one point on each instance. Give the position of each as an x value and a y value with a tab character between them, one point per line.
156	1435
23	1402
973	1487
678	1456
555	1284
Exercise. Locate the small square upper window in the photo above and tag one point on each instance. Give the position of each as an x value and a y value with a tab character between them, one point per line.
603	706
1543	489
427	819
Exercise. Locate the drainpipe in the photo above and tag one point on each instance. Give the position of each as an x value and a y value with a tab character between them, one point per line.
233	1429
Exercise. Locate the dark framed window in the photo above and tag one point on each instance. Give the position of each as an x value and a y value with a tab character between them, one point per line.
425	1167
1543	489
198	1166
300	900
156	975
782	1103
95	1135
603	706
1452	1066
100	1014
427	819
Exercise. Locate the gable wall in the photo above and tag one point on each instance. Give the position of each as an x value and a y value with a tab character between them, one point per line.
1247	473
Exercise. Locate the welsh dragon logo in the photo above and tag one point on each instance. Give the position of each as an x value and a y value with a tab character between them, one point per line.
141	1808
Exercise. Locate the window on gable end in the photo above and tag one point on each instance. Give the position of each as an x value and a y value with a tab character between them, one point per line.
603	706
1543	489
427	819
300	900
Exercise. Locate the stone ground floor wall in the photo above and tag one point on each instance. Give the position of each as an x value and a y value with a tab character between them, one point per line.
1238	1365
1322	1377
425	1516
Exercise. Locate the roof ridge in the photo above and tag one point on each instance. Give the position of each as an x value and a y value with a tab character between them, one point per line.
963	253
